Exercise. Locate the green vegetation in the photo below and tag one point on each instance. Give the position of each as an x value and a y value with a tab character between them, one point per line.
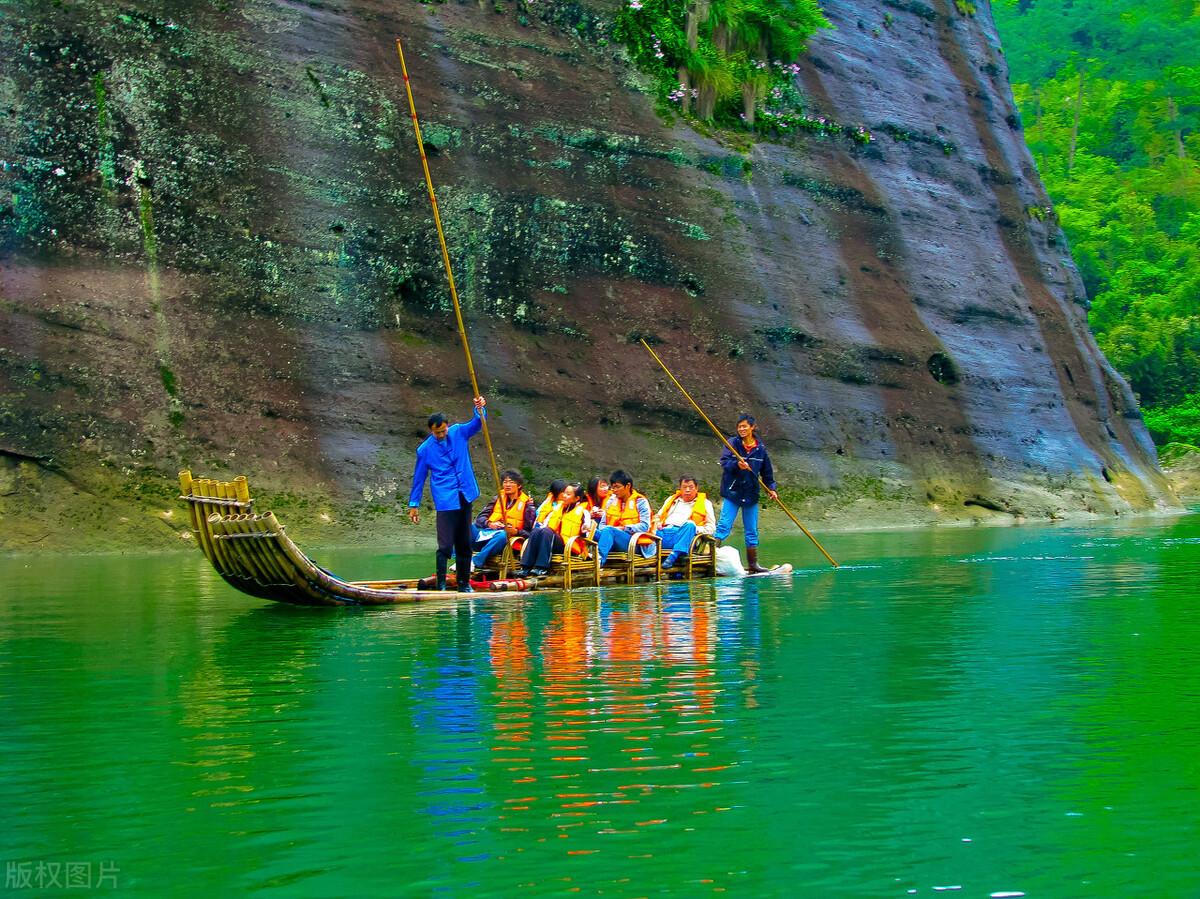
168	380
728	62
1109	91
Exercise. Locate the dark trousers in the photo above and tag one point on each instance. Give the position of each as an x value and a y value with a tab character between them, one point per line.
454	539
542	543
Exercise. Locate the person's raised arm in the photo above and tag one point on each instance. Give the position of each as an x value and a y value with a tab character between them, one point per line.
475	425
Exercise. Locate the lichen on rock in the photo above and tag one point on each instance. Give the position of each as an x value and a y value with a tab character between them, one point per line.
217	251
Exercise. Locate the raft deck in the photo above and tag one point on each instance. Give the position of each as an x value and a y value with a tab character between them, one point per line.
254	554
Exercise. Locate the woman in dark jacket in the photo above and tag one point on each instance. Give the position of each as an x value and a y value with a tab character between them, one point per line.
739	486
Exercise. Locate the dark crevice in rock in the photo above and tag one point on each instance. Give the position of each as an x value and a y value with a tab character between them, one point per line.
943	369
983	502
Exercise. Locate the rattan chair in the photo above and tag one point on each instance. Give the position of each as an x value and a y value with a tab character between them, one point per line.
507	560
631	564
567	563
700	560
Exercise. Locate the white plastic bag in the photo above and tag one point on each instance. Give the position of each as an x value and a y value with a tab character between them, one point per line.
729	562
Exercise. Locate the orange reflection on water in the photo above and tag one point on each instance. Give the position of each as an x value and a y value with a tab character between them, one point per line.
508	645
602	692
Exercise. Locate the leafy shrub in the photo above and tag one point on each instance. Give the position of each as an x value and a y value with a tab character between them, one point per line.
1175	424
719	58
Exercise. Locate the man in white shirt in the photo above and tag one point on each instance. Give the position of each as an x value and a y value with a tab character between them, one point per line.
685	514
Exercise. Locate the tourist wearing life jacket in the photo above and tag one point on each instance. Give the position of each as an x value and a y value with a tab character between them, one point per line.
566	519
626	514
556	487
505	520
739	486
594	497
444	459
686	513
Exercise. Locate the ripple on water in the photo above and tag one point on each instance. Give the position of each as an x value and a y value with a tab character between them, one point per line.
835	729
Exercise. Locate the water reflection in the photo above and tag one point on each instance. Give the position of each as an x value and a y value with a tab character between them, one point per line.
624	705
1009	710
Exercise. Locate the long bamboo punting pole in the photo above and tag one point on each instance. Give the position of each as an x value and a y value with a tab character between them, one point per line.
736	454
437	220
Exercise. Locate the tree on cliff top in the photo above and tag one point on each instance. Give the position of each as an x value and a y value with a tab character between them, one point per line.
1109	92
722	54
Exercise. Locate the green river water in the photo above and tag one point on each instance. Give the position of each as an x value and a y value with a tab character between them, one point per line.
975	713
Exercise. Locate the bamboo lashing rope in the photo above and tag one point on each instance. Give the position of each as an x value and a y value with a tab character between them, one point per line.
437	220
736	454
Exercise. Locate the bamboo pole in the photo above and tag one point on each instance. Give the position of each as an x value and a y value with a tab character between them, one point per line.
205	490
187	489
248	548
737	455
243	522
273	572
437	220
233	561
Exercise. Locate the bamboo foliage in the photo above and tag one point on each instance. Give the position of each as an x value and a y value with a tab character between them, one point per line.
718	50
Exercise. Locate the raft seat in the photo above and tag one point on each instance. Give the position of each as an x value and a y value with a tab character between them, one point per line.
505	562
567	563
629	565
701	558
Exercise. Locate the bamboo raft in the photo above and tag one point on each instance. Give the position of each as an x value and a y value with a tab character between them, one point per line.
251	551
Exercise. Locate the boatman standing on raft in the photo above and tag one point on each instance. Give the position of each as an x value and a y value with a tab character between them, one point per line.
445	459
739	486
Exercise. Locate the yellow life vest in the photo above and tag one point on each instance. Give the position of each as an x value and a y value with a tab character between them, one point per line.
618	515
697	516
545	508
515	516
567	525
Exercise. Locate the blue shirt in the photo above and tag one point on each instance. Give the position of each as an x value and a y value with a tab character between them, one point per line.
447	465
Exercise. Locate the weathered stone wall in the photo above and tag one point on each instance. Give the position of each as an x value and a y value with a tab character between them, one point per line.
216	251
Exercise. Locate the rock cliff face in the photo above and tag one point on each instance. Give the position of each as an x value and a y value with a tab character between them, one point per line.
217	252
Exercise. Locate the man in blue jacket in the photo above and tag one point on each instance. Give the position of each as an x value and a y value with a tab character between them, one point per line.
445	459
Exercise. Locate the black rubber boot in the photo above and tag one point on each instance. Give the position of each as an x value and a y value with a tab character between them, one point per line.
752	565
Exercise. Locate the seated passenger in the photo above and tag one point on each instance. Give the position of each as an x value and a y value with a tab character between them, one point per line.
500	522
685	514
565	519
543	509
594	497
626	514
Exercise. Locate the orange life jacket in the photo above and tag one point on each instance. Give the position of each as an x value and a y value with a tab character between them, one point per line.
515	516
567	525
618	515
698	515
